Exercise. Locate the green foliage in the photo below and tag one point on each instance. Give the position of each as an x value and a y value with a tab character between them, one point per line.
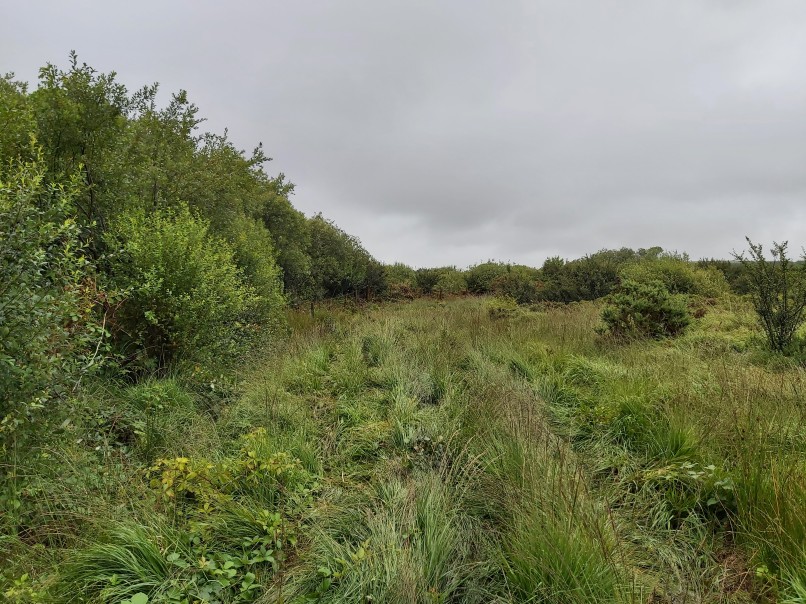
678	275
518	283
17	122
399	274
340	265
439	281
480	278
47	327
292	240
778	291
81	116
589	278
452	281
734	272
645	310
185	295
426	279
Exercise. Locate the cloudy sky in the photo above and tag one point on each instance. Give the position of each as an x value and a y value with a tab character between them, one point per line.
453	132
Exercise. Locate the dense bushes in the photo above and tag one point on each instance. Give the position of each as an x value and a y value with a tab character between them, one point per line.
196	240
440	281
47	328
678	275
184	295
480	277
518	283
340	266
588	278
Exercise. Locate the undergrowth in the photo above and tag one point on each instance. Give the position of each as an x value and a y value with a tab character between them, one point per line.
427	453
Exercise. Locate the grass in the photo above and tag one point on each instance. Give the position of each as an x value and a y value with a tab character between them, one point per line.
430	452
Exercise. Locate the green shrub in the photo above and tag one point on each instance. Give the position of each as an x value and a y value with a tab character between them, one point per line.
185	295
254	253
645	310
451	281
778	292
480	278
47	329
678	275
502	307
426	279
517	284
588	278
399	274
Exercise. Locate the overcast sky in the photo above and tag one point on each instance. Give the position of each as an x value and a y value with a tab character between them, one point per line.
454	132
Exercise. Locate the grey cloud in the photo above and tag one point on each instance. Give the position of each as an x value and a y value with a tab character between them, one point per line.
452	132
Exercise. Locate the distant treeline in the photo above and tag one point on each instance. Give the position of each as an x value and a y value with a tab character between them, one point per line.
588	278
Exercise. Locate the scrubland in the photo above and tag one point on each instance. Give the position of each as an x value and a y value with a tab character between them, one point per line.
431	451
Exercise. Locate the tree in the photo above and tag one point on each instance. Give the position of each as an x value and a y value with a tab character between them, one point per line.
778	291
340	266
81	117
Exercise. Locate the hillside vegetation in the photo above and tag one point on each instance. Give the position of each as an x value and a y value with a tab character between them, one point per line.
207	396
431	452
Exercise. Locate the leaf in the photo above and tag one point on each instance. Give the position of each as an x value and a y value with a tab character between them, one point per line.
139	598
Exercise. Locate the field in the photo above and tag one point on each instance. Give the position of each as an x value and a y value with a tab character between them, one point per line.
429	452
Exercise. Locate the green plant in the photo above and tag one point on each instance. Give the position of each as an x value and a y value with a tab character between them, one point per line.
518	284
678	275
185	295
645	310
778	291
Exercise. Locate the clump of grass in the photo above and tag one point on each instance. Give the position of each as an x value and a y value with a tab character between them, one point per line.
125	561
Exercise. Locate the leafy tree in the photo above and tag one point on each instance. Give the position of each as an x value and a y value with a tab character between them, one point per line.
81	117
158	152
778	291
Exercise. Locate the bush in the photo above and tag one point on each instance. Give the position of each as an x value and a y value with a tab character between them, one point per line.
451	281
645	310
589	278
426	279
517	284
47	329
400	275
254	253
185	295
480	278
778	291
678	275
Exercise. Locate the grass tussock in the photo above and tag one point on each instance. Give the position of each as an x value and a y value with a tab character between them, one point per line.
428	453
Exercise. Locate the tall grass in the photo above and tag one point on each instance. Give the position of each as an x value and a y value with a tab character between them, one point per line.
449	455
